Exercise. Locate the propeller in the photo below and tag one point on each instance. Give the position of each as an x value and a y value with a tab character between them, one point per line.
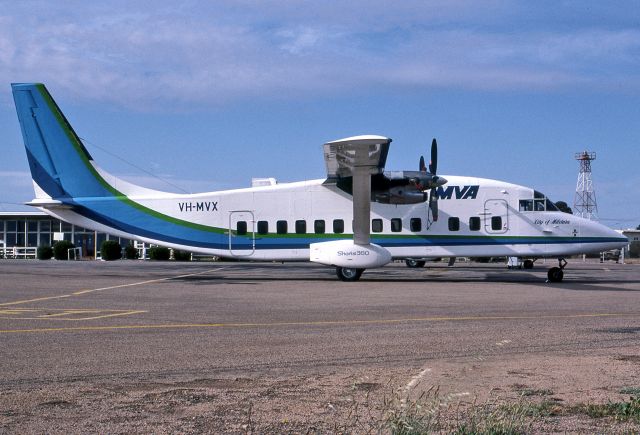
437	181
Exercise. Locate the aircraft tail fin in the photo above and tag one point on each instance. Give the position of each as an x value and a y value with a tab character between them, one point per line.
61	167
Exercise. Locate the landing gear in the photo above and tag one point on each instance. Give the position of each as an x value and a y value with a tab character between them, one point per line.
413	263
527	264
349	274
556	274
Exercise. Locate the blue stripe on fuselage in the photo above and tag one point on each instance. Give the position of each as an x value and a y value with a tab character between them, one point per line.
138	223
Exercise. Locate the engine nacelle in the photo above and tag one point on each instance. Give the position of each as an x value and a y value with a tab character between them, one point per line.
400	195
345	253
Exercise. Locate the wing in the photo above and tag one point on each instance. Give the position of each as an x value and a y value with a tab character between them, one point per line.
358	157
342	155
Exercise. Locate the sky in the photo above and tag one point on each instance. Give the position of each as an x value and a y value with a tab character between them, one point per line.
199	96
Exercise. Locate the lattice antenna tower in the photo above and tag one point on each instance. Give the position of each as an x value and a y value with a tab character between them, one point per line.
584	203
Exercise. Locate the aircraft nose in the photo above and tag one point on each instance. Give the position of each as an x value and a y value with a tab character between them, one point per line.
614	239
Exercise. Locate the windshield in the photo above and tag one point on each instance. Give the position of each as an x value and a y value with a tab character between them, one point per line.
539	203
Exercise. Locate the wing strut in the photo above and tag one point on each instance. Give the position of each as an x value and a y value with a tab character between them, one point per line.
361	204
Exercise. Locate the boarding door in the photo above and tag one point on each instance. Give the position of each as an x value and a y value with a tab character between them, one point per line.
242	236
496	216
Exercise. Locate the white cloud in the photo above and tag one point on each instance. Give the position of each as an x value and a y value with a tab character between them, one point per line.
214	53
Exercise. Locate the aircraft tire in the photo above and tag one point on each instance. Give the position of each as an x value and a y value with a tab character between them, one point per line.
413	263
555	274
349	274
528	264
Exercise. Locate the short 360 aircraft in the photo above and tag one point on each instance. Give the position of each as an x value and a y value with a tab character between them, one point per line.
359	217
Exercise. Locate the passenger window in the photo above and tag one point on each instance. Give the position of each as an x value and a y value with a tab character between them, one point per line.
496	223
526	205
318	227
454	224
415	224
376	225
241	228
474	223
396	225
301	227
263	227
338	226
281	227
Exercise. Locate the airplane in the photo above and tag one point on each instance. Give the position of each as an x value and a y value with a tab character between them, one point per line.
359	217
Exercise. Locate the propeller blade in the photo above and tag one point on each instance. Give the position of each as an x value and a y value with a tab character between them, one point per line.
423	167
433	165
433	204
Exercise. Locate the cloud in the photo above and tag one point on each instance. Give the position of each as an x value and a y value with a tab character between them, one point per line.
209	54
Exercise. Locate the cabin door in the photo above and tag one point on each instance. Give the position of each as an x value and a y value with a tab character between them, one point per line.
242	236
496	216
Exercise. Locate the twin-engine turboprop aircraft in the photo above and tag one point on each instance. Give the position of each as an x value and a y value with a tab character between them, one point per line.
359	217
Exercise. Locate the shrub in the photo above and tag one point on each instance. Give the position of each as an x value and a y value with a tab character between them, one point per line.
181	255
130	252
45	252
110	250
159	253
61	248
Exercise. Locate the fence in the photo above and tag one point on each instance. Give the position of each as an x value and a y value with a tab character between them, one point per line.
18	252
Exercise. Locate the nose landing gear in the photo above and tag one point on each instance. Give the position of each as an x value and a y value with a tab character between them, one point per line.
556	274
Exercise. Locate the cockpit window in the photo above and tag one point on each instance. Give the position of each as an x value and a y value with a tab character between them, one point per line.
526	205
538	203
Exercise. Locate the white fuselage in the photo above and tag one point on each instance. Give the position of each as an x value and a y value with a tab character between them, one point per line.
264	223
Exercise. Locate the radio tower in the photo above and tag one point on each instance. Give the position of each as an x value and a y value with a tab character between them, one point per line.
584	203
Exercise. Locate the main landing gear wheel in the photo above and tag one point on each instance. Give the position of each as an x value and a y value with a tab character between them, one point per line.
413	263
556	274
349	273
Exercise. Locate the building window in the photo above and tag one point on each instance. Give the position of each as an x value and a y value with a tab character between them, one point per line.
263	227
454	224
15	235
318	226
281	227
396	225
415	224
45	239
474	223
301	227
338	226
376	225
241	228
45	226
496	223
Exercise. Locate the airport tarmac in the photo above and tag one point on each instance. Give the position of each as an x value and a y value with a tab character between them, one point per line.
239	347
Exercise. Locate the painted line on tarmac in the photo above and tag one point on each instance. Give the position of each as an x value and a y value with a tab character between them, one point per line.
66	314
83	292
312	323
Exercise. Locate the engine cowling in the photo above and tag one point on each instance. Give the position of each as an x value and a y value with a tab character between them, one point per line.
345	253
400	195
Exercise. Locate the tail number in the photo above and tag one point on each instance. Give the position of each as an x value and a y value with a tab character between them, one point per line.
198	206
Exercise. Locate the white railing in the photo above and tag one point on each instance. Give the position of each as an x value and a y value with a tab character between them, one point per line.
19	252
76	253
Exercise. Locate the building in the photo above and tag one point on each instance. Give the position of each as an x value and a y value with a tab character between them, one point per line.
633	249
22	232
